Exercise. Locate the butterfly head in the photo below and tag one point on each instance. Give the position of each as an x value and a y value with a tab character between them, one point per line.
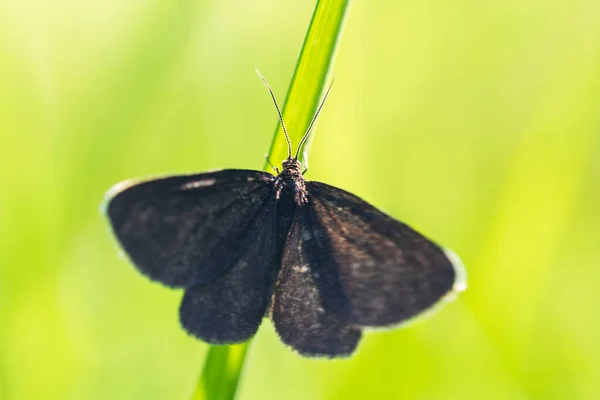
291	163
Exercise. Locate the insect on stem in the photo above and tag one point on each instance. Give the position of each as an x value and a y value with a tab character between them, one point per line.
329	237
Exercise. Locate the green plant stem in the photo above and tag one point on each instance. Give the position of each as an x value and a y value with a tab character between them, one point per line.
224	364
221	373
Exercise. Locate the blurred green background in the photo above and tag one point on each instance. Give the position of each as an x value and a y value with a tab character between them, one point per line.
476	122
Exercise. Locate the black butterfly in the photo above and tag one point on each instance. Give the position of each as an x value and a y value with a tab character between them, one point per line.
243	244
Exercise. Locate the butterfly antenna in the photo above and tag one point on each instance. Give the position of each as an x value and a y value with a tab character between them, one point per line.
313	120
287	138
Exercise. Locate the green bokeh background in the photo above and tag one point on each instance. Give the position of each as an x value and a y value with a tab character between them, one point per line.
476	122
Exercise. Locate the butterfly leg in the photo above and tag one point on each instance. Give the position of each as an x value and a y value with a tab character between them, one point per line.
305	161
270	164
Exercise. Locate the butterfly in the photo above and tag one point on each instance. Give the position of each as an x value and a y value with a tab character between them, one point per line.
322	263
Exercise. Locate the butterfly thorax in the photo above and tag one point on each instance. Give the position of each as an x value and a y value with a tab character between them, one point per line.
290	182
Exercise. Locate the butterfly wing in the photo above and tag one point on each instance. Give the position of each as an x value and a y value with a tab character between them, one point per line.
371	269
297	310
185	230
230	308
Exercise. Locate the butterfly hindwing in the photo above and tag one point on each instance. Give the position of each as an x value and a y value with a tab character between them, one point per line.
300	318
185	230
379	271
230	308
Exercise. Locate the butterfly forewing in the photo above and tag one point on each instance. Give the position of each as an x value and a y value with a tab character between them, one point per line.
298	313
383	271
186	230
